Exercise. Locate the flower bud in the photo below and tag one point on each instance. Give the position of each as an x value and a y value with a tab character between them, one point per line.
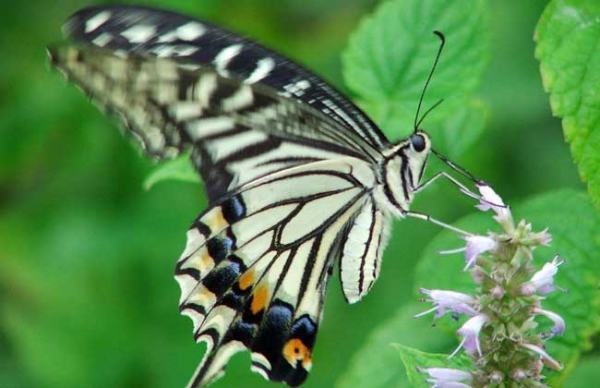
519	374
496	377
497	292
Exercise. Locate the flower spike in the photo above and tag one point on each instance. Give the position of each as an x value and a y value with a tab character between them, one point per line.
500	335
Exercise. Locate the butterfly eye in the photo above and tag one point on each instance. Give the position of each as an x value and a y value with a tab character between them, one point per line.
418	142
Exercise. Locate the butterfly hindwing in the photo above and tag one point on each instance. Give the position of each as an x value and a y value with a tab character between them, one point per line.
248	283
362	250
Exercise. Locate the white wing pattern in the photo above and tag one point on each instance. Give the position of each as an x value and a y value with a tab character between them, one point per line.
289	166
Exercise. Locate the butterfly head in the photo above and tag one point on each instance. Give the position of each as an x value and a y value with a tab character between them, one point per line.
404	168
416	153
419	142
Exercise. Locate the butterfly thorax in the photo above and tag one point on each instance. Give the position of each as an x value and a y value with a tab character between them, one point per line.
401	172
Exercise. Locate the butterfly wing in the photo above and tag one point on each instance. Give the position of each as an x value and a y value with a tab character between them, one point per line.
168	34
255	268
286	160
362	249
238	132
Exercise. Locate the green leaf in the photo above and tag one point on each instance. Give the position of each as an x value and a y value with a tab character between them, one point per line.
178	169
376	363
414	359
575	229
460	130
455	130
390	55
587	370
567	38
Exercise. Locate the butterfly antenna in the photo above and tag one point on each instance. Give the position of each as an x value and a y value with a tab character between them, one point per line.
427	112
437	59
456	167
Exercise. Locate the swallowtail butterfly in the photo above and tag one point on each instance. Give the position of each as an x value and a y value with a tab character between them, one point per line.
296	175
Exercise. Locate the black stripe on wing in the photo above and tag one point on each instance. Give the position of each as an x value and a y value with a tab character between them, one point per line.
167	34
238	132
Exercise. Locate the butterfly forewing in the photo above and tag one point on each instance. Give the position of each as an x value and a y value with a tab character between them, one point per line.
289	166
238	131
166	34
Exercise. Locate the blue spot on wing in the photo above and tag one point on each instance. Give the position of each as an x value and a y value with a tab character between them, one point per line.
233	209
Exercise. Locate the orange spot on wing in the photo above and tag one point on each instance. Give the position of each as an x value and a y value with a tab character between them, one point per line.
294	350
259	299
247	279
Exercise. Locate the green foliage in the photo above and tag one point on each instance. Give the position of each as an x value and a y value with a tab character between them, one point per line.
376	363
575	229
567	36
585	372
414	359
179	169
391	53
461	129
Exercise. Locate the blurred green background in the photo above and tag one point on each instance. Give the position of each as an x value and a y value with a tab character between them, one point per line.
87	296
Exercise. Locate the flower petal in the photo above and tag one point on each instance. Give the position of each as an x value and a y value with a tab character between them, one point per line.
543	280
476	245
447	374
470	333
491	200
546	358
559	322
446	300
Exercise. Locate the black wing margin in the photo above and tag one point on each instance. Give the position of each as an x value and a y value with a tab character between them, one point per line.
142	30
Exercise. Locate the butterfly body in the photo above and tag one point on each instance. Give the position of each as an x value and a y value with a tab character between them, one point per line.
297	177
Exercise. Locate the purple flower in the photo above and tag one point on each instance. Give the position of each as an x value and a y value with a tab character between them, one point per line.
546	358
470	334
444	301
559	322
543	280
491	200
447	377
476	245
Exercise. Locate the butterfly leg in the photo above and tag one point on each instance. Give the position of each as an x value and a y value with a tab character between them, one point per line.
428	218
462	188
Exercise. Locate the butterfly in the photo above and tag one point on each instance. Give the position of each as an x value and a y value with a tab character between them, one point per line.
297	177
